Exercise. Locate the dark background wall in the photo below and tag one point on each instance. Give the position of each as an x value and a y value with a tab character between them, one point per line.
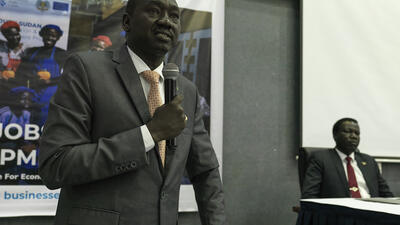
261	111
261	116
390	171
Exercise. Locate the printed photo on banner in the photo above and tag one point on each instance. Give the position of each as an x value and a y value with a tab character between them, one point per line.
33	49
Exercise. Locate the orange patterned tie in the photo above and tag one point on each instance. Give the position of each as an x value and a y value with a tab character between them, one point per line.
154	101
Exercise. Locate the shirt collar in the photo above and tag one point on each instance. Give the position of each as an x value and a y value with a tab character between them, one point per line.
343	156
141	66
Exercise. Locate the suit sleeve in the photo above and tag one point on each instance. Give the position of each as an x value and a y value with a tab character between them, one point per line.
312	180
202	167
68	155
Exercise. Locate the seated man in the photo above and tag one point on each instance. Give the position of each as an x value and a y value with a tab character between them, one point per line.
344	172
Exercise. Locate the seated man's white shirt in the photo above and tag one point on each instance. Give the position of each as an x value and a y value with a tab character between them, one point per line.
362	185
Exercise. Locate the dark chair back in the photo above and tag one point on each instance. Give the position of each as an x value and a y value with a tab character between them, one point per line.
305	155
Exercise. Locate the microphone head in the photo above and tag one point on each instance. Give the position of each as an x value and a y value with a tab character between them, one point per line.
170	71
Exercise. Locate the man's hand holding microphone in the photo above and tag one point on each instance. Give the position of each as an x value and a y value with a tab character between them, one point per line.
168	120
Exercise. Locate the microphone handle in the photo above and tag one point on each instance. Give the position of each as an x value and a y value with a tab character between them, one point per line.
170	93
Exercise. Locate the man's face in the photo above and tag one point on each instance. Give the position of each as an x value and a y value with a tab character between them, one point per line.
13	36
50	37
347	137
153	27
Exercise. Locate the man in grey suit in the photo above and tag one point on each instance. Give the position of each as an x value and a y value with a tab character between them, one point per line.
99	144
343	171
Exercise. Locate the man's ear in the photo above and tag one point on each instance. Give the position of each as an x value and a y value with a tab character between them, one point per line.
125	22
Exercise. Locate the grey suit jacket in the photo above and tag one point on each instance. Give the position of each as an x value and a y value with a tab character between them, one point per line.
325	176
92	148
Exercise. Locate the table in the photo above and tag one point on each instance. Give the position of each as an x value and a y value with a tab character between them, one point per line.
347	211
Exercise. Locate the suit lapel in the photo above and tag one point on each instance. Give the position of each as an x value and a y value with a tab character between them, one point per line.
130	79
340	170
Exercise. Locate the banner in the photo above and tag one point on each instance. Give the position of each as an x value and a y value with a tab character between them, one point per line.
37	37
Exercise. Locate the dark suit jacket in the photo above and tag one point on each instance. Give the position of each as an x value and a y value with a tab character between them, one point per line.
92	148
325	176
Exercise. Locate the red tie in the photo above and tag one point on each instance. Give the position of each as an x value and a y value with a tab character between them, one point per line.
354	191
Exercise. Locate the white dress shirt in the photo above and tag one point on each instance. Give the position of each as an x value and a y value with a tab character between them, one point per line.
362	185
141	66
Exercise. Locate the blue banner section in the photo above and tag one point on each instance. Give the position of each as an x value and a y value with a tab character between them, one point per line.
60	6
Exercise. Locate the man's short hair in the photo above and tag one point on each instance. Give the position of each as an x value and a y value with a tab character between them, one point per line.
130	6
340	122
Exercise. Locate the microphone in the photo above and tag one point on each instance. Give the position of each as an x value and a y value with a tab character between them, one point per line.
170	73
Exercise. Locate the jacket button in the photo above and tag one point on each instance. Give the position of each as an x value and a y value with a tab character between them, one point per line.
133	164
163	195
